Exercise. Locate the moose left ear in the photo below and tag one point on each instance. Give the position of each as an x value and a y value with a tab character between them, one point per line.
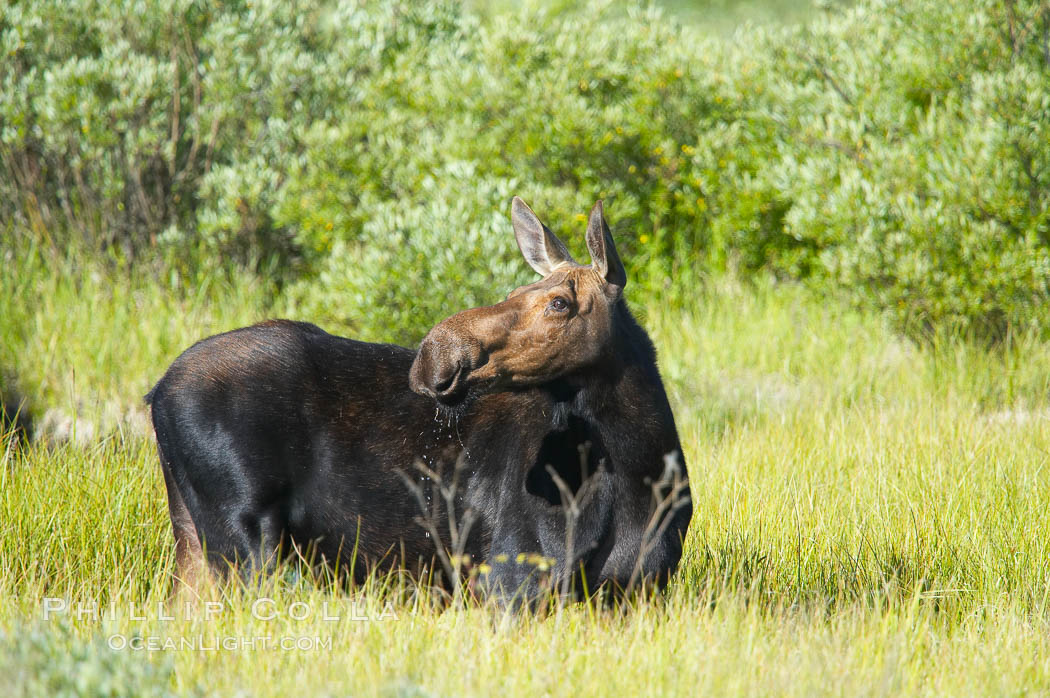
541	248
604	258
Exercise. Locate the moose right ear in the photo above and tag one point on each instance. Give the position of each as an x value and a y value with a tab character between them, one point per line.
541	248
603	251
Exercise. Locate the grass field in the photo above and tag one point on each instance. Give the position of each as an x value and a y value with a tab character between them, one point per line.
870	519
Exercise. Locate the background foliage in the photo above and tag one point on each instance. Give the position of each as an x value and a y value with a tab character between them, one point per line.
363	155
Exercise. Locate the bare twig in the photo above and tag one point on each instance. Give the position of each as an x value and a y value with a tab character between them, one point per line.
452	560
663	514
176	108
823	70
573	506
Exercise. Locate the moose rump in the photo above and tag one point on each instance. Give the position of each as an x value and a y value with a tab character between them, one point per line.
534	429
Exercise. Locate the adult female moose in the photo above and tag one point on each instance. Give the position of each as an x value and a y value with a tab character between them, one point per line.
549	402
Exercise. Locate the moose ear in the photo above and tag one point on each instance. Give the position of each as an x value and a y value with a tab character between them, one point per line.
542	249
604	258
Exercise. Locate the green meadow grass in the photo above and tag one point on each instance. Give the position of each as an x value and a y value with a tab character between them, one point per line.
870	518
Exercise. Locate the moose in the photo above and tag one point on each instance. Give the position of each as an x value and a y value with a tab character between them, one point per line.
545	411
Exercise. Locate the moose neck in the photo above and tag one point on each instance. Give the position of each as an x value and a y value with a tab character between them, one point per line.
626	370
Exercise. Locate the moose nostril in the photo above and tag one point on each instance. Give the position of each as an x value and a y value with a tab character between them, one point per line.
442	384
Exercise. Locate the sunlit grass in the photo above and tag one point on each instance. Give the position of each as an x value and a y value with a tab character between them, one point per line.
89	340
869	518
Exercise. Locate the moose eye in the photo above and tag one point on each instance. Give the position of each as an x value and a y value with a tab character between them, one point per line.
559	304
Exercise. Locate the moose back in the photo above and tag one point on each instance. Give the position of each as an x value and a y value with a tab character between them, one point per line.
532	437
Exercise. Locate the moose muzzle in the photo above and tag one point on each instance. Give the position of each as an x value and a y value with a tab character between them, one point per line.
443	364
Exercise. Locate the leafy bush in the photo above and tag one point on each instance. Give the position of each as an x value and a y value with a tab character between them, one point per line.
55	662
895	152
400	202
95	126
417	258
916	161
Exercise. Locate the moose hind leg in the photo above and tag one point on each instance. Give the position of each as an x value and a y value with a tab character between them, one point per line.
190	566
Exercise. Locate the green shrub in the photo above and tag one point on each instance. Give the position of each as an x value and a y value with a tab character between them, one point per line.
96	126
54	661
416	259
896	153
913	151
400	201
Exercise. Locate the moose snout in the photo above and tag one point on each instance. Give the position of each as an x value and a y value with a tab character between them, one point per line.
441	366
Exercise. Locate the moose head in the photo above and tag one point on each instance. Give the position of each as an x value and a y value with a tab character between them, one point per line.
542	331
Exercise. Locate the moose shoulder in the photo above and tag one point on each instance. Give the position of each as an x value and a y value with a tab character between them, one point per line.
536	429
